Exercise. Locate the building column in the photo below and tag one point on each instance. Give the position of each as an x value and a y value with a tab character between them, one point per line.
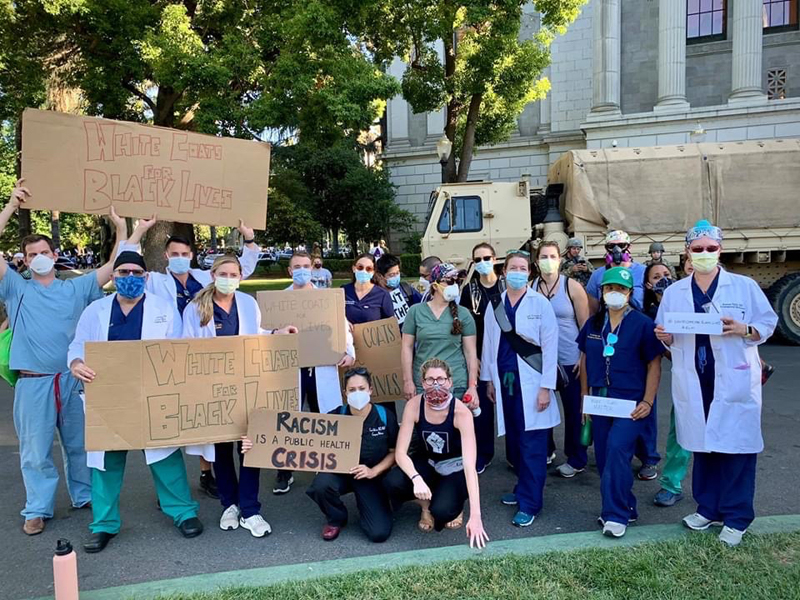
606	23
544	108
671	56
747	36
397	112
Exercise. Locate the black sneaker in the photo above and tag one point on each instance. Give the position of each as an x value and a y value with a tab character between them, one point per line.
283	482
208	484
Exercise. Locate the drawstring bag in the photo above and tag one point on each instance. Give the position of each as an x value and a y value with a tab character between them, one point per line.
6	337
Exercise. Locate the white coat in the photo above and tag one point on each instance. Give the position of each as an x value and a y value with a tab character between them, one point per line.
158	323
536	323
329	388
734	420
246	307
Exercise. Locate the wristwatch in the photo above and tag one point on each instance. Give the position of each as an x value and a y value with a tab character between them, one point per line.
749	333
249	241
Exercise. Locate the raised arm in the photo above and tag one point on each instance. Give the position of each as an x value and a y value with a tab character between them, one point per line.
250	250
18	195
103	274
142	227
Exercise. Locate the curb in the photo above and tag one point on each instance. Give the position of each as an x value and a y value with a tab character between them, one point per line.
211	582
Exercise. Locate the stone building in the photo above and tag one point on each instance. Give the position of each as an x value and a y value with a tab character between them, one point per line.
630	73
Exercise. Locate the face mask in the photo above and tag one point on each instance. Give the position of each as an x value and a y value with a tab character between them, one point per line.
317	266
42	265
703	262
438	397
393	282
358	400
549	265
617	256
615	300
424	283
226	285
129	287
516	280
363	277
301	277
179	264
450	293
484	267
662	284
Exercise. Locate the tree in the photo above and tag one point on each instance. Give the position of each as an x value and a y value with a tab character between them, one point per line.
488	75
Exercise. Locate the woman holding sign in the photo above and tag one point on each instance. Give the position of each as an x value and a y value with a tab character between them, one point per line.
620	360
219	309
442	476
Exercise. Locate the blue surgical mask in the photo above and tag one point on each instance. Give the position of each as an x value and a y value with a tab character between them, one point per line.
393	282
516	280
484	267
363	277
179	264
301	276
129	287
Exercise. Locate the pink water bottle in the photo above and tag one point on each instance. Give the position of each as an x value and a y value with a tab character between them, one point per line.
65	571
476	412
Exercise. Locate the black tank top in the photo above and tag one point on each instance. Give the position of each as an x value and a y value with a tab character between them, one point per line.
443	441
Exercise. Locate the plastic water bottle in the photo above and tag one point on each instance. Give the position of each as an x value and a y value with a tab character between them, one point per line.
65	571
476	412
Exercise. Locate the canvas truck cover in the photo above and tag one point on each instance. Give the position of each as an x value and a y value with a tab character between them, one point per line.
666	189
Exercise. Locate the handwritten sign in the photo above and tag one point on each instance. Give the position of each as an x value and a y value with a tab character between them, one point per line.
318	314
85	164
304	441
378	346
707	323
157	393
608	407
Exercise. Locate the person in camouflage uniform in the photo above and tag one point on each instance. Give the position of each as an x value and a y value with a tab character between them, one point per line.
657	258
574	265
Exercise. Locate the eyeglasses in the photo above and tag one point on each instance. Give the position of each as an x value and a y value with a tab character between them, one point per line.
698	249
435	380
520	252
478	259
611	339
134	272
363	268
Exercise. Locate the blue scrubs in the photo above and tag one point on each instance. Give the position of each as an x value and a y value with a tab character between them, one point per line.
44	319
527	450
622	376
723	485
186	293
593	288
376	305
122	327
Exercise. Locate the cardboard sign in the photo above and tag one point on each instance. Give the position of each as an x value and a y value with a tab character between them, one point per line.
85	164
318	314
608	407
707	323
303	441
160	393
378	346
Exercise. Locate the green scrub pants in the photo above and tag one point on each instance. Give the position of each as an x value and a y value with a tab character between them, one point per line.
676	463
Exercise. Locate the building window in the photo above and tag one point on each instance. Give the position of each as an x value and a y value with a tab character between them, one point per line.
705	20
776	84
780	15
467	215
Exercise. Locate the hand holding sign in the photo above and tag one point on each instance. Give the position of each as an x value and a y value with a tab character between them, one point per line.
693	323
19	194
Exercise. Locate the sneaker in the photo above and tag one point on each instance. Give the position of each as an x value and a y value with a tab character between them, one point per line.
667	498
766	373
648	473
601	521
209	485
568	471
481	469
256	525
551	458
698	522
283	483
616	530
509	499
730	536
230	518
522	519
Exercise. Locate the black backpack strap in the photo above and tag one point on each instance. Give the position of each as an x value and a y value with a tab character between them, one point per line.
407	290
571	301
530	353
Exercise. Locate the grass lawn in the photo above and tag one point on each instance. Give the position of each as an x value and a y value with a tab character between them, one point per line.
252	286
696	567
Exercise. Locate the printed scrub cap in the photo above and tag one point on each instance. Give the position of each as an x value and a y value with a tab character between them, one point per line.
703	229
617	237
443	271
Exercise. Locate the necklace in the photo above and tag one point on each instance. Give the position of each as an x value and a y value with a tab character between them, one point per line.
550	292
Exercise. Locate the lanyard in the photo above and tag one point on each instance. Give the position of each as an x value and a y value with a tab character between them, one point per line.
604	337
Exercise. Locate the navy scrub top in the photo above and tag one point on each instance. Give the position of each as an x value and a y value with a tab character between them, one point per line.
226	323
186	294
704	362
122	327
376	305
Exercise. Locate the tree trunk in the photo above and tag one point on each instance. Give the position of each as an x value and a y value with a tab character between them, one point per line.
451	112
213	241
335	234
55	228
469	137
23	214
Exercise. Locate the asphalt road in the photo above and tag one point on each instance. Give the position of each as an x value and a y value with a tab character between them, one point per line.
150	548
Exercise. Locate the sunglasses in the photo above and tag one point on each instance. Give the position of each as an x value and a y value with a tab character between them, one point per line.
363	268
519	252
698	249
450	281
478	259
127	272
608	350
317	265
355	371
620	247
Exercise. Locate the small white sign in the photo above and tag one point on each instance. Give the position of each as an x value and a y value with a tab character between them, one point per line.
689	322
608	407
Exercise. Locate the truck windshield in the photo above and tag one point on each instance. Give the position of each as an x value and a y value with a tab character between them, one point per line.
467	215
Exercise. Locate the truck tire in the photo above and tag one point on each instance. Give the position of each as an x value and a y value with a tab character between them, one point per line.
784	295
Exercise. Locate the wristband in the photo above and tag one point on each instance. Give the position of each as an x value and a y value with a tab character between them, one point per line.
414	476
249	241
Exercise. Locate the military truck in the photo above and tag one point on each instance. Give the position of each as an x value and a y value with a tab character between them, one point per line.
749	189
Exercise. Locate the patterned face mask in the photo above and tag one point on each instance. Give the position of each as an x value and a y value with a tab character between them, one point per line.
437	397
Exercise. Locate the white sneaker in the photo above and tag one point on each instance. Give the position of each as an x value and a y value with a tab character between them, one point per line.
230	518
551	458
256	525
730	536
698	522
568	471
611	529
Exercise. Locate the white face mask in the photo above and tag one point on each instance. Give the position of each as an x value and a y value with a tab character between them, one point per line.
42	265
615	300
703	262
450	293
226	285
424	283
358	399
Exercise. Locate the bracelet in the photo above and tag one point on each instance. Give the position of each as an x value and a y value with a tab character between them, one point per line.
249	241
414	475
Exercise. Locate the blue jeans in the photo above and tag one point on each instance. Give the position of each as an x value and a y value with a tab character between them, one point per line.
36	421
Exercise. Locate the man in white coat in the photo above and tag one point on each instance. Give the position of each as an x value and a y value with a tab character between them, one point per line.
320	387
716	384
181	283
129	314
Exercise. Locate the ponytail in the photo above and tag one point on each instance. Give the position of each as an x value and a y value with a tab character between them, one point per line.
457	326
204	300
